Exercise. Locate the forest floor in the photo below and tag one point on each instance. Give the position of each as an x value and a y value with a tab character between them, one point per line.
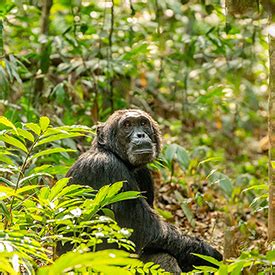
210	225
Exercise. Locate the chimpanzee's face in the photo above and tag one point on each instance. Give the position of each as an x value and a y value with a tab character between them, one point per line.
136	138
132	135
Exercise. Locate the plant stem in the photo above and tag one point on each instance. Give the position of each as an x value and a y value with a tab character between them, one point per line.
21	173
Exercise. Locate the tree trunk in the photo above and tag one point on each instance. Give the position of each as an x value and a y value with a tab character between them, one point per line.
1	40
45	50
271	124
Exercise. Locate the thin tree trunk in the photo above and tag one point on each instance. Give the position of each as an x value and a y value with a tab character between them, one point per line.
271	125
44	49
1	39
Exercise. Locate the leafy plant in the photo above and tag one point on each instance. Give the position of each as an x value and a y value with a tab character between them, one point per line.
37	216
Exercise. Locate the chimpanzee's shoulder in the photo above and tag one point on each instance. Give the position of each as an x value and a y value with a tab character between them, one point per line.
100	157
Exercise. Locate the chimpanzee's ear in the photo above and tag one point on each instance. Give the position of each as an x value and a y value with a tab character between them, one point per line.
100	134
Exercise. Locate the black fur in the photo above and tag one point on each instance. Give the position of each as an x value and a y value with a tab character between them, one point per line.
107	162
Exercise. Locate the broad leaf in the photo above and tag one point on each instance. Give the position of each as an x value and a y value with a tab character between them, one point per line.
57	188
34	127
128	195
14	142
58	137
44	123
6	122
33	176
26	134
50	151
209	259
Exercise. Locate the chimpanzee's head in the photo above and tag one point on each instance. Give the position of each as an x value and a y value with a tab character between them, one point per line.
132	135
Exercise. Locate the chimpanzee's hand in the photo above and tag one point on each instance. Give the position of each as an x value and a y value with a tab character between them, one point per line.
198	246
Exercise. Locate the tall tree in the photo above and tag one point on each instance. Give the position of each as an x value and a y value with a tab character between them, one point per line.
271	125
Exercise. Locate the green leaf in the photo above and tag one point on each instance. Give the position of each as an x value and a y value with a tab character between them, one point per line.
9	183
137	50
4	211
164	213
6	122
6	192
128	195
237	267
14	142
185	208
170	152
108	213
58	137
50	151
270	255
182	157
26	188
44	123
256	187
212	159
4	158
205	269
34	127
74	190
26	134
44	193
209	259
211	95
114	189
33	176
105	262
59	93
5	265
224	182
57	188
101	194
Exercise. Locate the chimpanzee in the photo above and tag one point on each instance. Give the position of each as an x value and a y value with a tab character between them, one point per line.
124	144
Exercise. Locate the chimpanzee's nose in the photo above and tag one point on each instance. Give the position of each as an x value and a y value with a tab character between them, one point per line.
140	135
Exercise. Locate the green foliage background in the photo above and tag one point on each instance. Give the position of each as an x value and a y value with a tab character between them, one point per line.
200	73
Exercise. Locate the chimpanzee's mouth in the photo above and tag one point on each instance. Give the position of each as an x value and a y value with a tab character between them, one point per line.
142	148
143	151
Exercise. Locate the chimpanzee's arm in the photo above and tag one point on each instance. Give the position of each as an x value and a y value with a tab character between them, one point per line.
145	183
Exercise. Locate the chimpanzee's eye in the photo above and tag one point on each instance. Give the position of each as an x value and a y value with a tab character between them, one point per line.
144	122
127	124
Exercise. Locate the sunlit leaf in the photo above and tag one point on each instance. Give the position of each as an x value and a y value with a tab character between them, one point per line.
128	195
58	137
58	187
6	122
26	134
256	187
34	127
114	189
106	261
4	210
44	123
14	142
209	259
